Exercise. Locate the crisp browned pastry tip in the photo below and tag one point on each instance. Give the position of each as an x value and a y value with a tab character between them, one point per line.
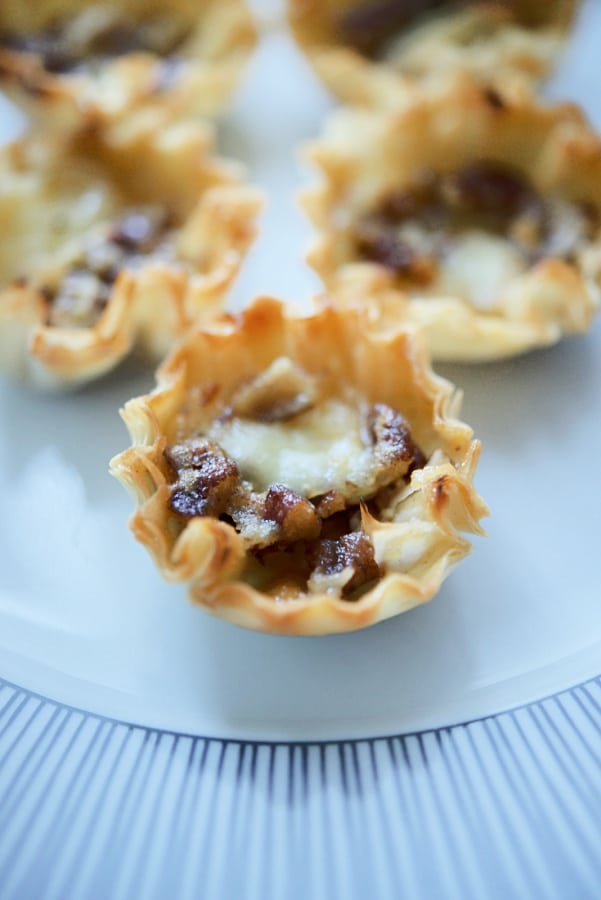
70	61
113	239
480	212
371	51
304	474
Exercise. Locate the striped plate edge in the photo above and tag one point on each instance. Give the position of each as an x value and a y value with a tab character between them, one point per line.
508	806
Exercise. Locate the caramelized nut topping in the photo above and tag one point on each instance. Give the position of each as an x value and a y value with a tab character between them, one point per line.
420	201
494	98
369	26
46	44
396	254
294	514
320	533
209	483
190	454
411	230
81	296
493	194
99	32
395	452
206	478
329	503
279	393
352	551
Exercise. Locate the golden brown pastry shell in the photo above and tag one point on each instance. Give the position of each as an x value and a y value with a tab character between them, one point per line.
365	154
418	549
221	38
48	176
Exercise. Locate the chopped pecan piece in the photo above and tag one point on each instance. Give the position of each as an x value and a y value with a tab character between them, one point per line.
328	504
281	392
295	515
191	453
494	98
490	192
206	478
81	296
422	200
396	454
370	25
47	44
97	33
385	247
352	552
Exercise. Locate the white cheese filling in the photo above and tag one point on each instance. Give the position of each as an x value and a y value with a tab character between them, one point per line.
479	267
46	220
315	452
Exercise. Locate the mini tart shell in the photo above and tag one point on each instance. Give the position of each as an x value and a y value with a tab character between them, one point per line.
365	154
210	62
149	308
521	55
418	548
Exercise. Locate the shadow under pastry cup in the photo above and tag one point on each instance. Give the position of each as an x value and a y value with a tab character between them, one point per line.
371	51
113	240
304	474
74	60
480	213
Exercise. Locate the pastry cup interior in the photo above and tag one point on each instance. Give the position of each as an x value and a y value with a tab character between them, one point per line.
366	156
417	542
182	57
65	193
367	51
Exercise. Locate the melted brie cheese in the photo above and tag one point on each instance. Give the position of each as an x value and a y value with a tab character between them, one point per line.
478	267
46	223
315	452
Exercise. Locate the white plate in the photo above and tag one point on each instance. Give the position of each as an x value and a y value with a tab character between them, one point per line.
85	619
84	616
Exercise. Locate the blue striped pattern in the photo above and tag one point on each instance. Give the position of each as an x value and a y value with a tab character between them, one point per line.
504	807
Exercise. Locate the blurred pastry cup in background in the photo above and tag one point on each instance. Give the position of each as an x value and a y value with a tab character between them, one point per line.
72	61
370	51
113	239
302	473
480	212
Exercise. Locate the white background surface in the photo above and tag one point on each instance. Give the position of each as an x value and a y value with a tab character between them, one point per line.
85	618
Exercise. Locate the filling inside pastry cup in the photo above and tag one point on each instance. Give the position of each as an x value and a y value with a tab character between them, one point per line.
113	237
304	474
365	50
482	212
70	59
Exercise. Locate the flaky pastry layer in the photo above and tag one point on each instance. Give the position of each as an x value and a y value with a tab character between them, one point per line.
113	239
413	533
470	152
